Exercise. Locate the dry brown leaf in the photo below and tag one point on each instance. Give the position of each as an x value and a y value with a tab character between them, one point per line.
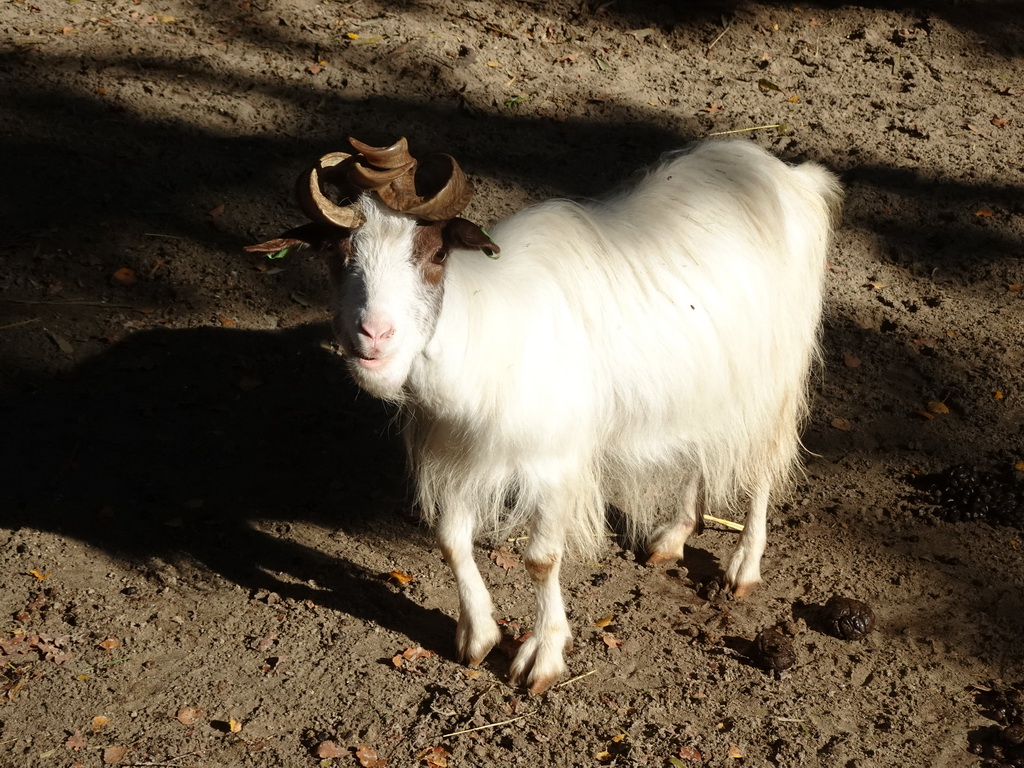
109	644
1019	466
984	213
188	715
851	361
937	406
125	276
434	757
62	342
114	755
875	286
504	559
691	753
604	621
998	395
841	423
417	652
235	726
610	640
411	654
328	749
76	741
713	108
217	210
1016	286
735	753
400	578
1000	122
367	757
99	722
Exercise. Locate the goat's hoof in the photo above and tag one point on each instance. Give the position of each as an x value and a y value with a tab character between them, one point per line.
541	684
538	665
473	643
659	557
741	590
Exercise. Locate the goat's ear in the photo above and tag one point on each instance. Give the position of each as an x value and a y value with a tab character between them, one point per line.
308	235
460	233
275	245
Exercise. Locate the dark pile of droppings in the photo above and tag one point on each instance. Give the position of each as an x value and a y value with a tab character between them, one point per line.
964	492
773	651
848	619
1003	744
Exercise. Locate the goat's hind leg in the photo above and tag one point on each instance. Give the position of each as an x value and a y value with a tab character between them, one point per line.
668	544
477	631
744	571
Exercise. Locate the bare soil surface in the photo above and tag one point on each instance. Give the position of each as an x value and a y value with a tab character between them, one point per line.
200	513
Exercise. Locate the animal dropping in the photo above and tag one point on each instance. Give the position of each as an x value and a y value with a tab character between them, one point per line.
629	351
849	619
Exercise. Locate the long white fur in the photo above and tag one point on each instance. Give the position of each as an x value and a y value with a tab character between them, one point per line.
651	351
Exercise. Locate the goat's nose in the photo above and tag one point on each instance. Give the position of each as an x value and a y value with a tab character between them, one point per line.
377	330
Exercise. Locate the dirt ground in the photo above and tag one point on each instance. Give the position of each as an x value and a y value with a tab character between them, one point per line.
200	513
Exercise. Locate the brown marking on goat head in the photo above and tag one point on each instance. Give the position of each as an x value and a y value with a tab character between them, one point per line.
434	240
429	252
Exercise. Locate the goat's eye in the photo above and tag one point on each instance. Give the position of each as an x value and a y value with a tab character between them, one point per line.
439	257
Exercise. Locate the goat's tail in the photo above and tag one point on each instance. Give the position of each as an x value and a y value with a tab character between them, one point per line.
824	186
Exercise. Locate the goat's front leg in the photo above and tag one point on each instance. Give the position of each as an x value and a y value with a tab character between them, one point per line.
477	631
744	571
540	662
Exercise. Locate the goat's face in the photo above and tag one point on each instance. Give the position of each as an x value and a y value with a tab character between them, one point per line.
388	279
387	242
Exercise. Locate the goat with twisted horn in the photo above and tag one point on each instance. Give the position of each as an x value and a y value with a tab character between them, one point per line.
650	351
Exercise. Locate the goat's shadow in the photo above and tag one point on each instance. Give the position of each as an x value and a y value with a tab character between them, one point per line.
203	446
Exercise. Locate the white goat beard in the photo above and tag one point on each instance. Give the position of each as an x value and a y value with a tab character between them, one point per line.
387	383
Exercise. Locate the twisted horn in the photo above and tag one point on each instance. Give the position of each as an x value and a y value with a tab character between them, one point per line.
449	191
388	158
390	172
315	204
367	177
393	174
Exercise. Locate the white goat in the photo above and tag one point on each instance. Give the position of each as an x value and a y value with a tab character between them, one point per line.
651	351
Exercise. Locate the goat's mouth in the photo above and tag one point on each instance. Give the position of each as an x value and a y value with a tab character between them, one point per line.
371	363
